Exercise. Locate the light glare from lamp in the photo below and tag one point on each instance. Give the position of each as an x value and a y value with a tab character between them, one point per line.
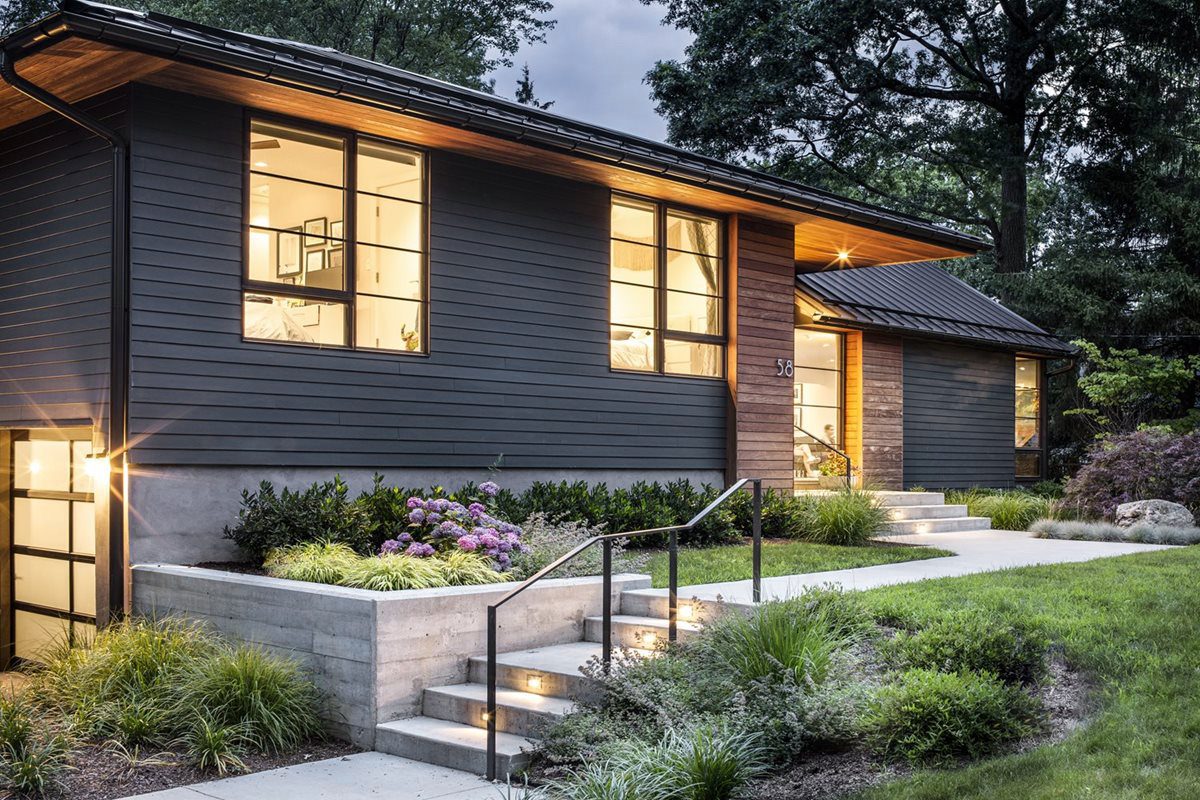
843	255
35	467
534	682
96	467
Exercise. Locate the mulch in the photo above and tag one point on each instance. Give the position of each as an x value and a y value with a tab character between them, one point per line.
102	773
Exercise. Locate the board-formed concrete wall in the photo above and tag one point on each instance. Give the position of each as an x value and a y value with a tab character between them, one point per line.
373	653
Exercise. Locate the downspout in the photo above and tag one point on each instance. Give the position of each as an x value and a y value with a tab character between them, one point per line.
111	548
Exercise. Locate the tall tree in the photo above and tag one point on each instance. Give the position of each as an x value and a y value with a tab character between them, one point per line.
525	94
950	108
456	41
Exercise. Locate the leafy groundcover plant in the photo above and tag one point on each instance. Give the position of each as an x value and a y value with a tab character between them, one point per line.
174	685
788	679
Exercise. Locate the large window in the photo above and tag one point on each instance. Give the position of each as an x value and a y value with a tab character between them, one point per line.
667	290
1029	418
336	243
818	400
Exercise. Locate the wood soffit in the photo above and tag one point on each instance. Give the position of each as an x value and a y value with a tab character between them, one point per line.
77	68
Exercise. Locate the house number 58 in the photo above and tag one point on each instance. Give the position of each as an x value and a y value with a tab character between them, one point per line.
783	368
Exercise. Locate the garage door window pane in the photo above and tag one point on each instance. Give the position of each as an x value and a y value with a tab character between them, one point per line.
42	465
42	582
36	633
41	523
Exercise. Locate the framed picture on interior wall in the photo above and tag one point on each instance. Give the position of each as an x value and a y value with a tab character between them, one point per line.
287	253
314	232
314	260
335	258
335	229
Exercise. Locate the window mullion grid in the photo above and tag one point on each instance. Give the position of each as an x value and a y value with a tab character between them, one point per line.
350	235
660	288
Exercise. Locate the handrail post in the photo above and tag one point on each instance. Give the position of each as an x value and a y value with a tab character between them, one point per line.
673	585
491	694
849	472
607	635
756	531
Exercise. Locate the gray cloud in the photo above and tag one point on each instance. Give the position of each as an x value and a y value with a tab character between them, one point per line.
592	64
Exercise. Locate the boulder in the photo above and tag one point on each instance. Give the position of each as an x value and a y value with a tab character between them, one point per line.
1154	512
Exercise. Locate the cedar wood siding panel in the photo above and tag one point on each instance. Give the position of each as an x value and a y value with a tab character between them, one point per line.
884	414
766	277
958	416
518	331
55	269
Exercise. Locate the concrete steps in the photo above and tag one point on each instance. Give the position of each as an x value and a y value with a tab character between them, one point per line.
937	525
450	744
521	713
926	512
897	513
639	632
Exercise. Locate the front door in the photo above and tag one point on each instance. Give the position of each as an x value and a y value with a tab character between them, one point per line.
49	592
818	395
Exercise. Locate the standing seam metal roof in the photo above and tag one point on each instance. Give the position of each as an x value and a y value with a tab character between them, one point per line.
924	299
330	72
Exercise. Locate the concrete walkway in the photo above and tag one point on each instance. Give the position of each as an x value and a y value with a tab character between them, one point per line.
975	551
374	775
362	776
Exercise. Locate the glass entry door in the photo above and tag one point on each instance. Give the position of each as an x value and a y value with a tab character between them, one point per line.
818	393
52	540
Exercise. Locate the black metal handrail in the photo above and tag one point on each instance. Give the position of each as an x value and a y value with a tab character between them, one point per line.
849	462
606	539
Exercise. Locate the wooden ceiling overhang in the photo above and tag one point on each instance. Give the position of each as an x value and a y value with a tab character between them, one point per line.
75	67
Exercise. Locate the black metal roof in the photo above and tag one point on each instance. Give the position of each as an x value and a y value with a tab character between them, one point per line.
923	299
333	73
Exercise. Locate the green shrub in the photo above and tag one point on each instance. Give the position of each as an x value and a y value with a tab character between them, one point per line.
784	515
142	682
548	540
706	763
315	562
936	717
266	697
610	780
393	571
972	640
323	511
216	747
790	719
1011	511
846	517
777	637
460	568
36	769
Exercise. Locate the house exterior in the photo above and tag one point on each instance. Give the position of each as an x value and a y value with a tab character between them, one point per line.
225	259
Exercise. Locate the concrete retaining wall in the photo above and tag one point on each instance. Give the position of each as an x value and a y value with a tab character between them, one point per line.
373	653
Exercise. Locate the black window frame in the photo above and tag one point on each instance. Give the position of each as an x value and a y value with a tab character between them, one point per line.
348	296
661	252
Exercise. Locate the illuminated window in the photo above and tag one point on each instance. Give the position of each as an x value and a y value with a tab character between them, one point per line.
1029	418
667	307
336	243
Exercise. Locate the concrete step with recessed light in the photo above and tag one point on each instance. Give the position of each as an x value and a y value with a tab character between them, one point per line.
641	632
450	744
896	513
900	499
945	525
552	670
653	603
521	713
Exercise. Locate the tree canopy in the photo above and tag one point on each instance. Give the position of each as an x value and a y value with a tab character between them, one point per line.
456	41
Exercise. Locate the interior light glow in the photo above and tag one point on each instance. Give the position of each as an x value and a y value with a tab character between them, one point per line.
96	466
261	164
35	467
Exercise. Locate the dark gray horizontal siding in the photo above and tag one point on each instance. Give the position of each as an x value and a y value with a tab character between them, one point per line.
518	339
55	262
958	415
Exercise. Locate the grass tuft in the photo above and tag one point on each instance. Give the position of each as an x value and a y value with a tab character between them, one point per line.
460	568
315	562
846	517
392	571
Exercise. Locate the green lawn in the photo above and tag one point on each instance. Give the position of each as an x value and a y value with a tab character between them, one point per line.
732	563
1133	623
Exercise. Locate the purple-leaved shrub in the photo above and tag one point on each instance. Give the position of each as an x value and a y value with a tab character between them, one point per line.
1145	465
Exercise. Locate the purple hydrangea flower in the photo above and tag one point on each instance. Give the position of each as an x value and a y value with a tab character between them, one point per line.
477	510
390	546
489	488
415	502
419	550
433	517
416	516
404	538
468	543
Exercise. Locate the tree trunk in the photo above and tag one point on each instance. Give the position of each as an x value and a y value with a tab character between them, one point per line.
1011	245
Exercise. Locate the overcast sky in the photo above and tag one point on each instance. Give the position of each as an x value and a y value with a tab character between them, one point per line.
592	63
